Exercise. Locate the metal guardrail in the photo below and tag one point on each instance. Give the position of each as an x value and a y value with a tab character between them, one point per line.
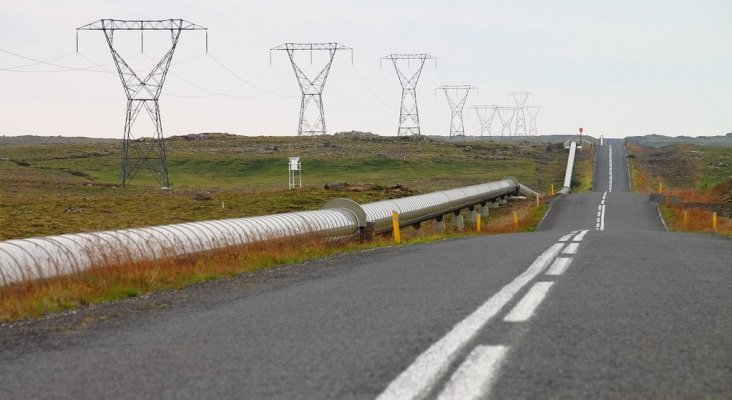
341	219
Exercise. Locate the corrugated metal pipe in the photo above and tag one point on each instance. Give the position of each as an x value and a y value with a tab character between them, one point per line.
43	257
570	166
415	209
341	219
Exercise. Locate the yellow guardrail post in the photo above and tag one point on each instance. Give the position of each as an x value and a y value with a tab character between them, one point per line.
395	226
686	218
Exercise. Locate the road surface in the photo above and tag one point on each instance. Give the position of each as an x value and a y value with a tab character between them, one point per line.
601	302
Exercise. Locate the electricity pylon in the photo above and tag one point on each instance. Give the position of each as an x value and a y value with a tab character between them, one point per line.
520	116
461	93
311	105
533	112
485	116
143	93
505	114
409	113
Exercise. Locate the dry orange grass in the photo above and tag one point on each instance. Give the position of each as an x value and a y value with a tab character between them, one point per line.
105	283
527	218
682	219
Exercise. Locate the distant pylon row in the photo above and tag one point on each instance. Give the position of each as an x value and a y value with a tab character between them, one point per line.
513	119
144	94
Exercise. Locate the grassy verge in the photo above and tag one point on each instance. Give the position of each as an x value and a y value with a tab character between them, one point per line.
584	172
694	180
688	219
102	284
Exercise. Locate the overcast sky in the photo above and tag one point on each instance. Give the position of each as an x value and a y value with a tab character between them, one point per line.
618	68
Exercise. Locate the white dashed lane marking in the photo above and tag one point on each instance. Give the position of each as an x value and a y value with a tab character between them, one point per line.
600	221
565	237
571	248
559	265
580	236
474	377
528	304
421	376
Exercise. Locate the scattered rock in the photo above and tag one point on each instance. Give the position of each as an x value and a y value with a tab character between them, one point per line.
336	186
717	164
357	134
74	210
204	195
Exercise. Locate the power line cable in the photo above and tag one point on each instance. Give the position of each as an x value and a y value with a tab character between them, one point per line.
17	67
245	81
363	81
63	68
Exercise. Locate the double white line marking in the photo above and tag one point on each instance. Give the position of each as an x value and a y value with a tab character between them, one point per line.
600	221
474	377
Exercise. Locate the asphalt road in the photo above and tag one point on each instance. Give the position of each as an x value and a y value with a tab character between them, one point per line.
601	302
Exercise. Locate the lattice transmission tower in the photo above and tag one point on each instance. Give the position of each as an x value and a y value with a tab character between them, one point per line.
457	103
519	99
311	105
506	114
408	113
533	112
485	116
142	93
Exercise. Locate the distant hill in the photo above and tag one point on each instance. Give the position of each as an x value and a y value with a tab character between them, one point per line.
661	140
654	140
30	140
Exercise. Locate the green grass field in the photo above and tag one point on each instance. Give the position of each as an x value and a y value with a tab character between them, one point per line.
683	166
61	187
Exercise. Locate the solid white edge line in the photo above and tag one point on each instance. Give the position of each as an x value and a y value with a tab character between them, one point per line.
610	169
475	376
525	308
559	265
571	248
658	208
420	377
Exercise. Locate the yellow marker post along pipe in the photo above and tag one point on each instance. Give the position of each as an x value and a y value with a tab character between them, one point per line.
477	223
515	219
553	190
714	221
395	226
